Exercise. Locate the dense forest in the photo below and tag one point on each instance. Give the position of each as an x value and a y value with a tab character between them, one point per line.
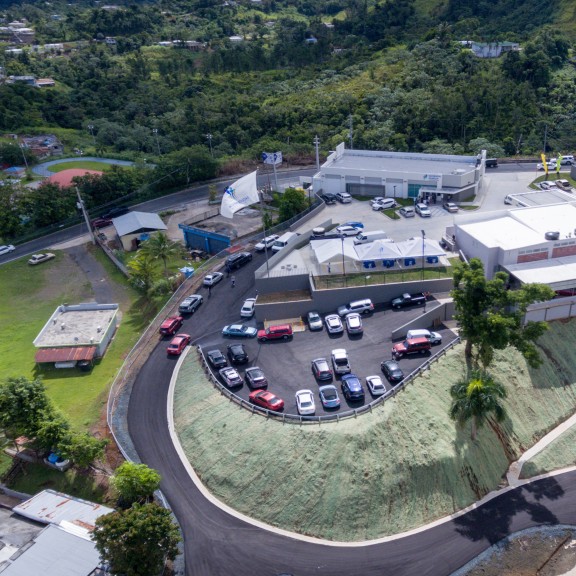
395	70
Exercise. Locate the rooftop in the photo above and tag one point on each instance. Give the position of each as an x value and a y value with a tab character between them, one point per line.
505	232
559	272
138	222
542	219
77	325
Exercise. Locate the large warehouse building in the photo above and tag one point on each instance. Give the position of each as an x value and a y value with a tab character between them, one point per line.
401	174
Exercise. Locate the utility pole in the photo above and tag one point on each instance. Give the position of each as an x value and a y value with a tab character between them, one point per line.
545	137
261	196
91	129
316	146
24	156
209	136
155	132
351	133
80	206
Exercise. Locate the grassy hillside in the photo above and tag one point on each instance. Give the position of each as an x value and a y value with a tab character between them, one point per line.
383	473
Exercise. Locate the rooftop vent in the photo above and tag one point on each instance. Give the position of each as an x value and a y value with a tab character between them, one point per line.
62	326
552	235
99	329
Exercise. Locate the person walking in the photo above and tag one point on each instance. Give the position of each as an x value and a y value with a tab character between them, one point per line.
233	281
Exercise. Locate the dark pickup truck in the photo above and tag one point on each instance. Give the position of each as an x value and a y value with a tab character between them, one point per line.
409	300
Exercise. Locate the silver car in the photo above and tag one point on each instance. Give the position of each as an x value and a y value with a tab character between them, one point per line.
314	321
333	324
354	323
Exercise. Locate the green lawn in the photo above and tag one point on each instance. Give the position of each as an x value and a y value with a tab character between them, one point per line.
83	165
30	296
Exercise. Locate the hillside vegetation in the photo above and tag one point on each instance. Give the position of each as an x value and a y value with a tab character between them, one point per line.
382	473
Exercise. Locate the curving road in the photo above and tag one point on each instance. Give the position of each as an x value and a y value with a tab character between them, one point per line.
217	543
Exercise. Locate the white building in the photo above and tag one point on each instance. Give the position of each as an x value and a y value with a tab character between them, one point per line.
535	244
400	174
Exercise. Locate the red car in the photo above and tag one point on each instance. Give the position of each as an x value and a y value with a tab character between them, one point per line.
101	222
179	342
171	325
283	332
266	400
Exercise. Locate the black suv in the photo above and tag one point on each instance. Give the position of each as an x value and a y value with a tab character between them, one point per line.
236	260
237	354
328	198
409	300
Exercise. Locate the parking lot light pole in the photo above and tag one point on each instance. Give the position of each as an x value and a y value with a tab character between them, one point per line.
423	240
343	265
261	197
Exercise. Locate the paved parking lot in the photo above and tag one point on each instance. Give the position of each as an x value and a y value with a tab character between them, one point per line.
287	364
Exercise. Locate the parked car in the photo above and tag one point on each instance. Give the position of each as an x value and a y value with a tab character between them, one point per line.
321	369
101	222
433	337
266	400
450	206
230	376
190	304
239	331
547	185
423	210
347	230
247	310
255	377
364	306
375	385
266	243
407	211
383	204
564	185
411	346
333	324
314	321
418	299
340	361
171	325
392	371
354	323
280	332
552	165
354	224
343	197
39	258
328	198
212	279
216	358
237	354
178	343
352	388
239	259
329	396
6	249
305	402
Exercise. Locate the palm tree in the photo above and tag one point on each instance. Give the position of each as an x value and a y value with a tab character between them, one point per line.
143	270
160	247
475	399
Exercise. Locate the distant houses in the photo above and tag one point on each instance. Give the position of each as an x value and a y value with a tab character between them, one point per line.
490	49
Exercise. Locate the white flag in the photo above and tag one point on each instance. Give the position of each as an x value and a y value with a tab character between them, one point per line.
240	194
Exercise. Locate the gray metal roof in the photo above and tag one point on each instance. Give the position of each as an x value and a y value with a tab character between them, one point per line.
55	552
51	507
138	222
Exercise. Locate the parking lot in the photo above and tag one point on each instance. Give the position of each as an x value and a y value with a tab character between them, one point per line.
287	364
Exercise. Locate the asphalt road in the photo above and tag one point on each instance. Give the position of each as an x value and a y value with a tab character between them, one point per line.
216	543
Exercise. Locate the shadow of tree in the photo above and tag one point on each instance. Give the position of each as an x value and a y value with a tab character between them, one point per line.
525	505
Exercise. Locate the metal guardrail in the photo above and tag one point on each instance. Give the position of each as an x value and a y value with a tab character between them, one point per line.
336	417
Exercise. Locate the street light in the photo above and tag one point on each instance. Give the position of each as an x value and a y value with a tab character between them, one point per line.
423	239
343	266
155	132
91	129
209	136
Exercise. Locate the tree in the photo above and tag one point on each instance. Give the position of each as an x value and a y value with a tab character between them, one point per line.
52	431
476	398
491	315
82	449
292	202
160	247
143	270
137	541
23	406
135	482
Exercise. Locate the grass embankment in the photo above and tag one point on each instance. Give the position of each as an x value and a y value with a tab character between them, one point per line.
81	165
382	473
559	454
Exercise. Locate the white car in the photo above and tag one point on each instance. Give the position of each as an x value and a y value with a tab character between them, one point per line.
39	258
333	324
375	385
248	307
547	185
383	204
347	230
354	323
340	361
305	402
6	249
266	243
314	321
423	210
212	279
407	212
551	165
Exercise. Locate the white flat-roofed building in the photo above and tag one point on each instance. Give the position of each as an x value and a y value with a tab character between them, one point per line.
400	174
77	332
534	244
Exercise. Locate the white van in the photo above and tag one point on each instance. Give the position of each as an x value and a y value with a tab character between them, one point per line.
433	337
370	236
283	241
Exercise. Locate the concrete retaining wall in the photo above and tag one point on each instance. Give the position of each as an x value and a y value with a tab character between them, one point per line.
435	314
